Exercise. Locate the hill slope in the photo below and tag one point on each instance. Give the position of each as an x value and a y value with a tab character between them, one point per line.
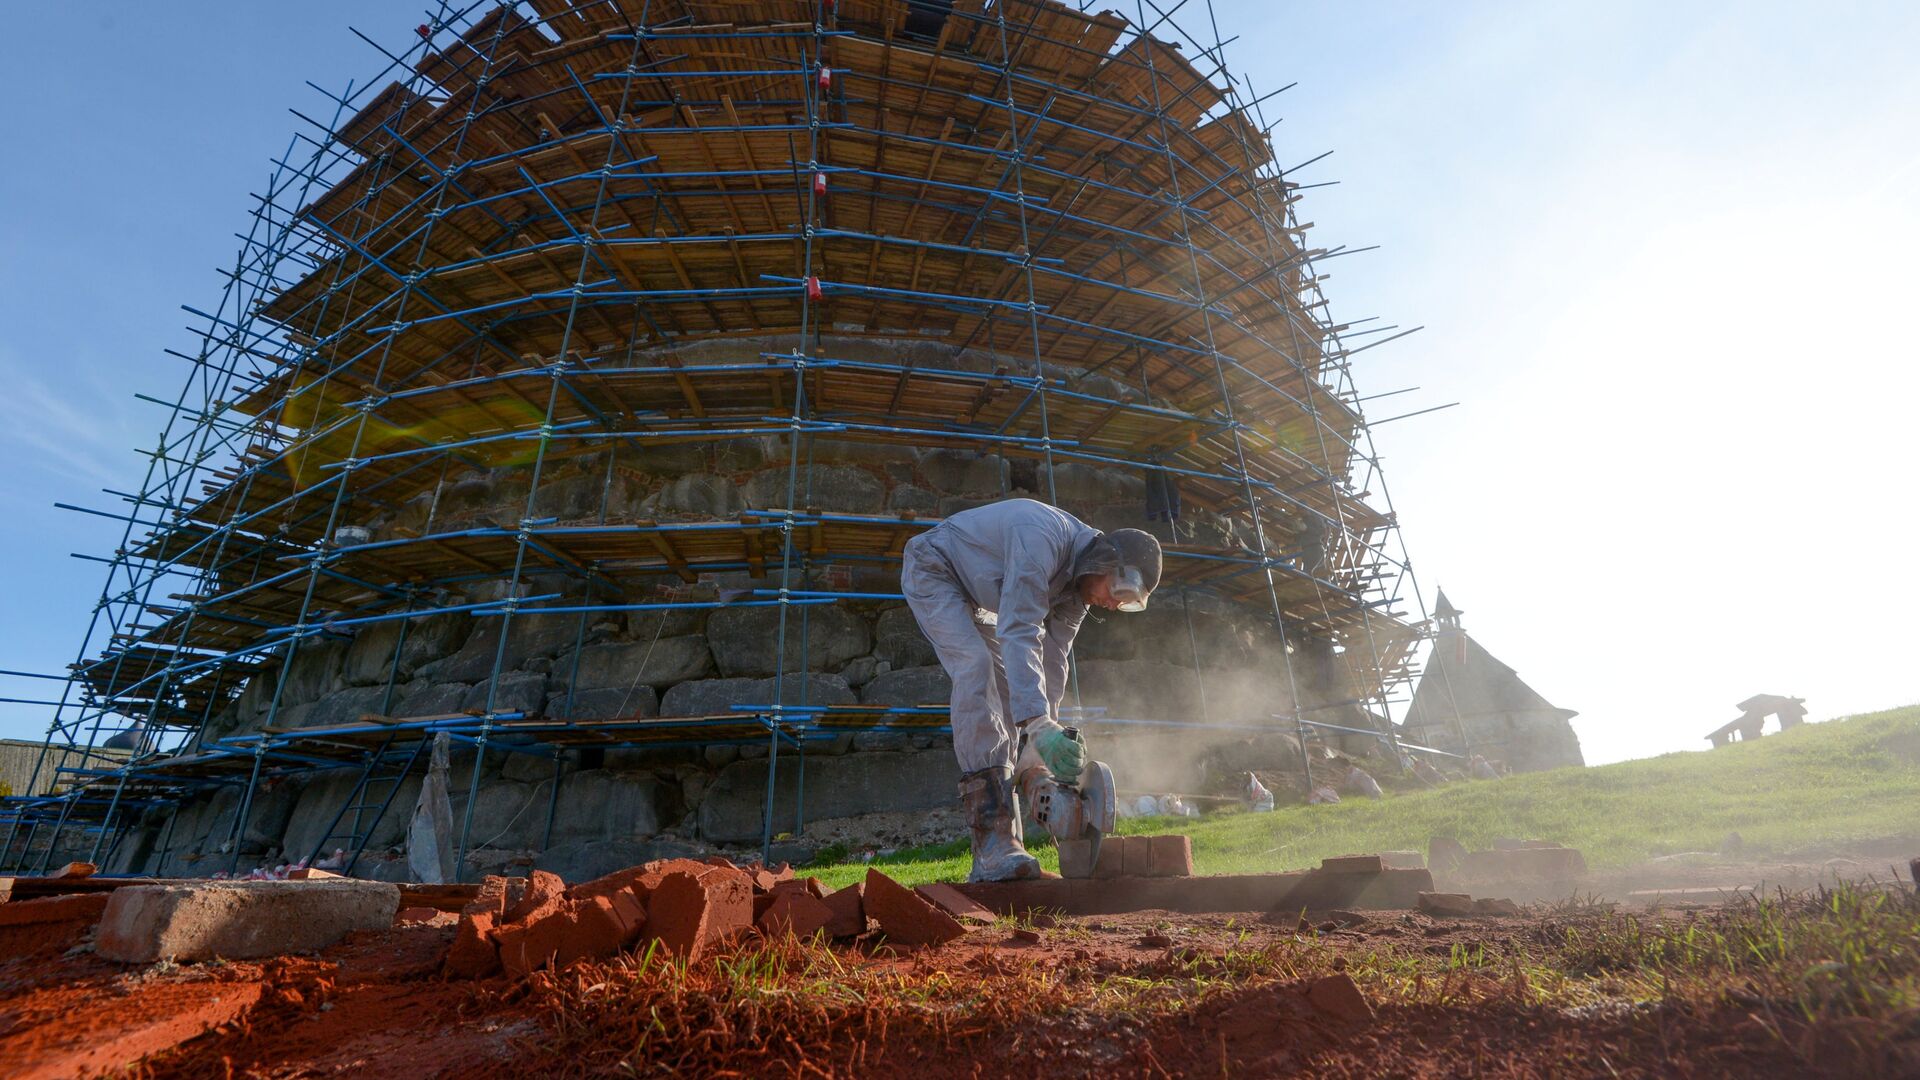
1846	782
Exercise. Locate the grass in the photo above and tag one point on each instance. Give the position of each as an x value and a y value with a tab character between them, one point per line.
1846	782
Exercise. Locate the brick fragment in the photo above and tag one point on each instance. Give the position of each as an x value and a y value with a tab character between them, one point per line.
415	915
904	916
491	899
956	903
74	871
597	930
1338	995
1169	856
527	947
84	907
819	889
654	871
308	873
1440	903
1136	854
796	912
691	916
544	895
1491	906
473	954
608	884
849	911
1352	864
631	911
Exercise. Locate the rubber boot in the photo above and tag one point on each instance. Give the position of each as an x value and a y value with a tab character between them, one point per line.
998	855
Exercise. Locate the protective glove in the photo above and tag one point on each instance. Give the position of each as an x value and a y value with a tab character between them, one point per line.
1063	754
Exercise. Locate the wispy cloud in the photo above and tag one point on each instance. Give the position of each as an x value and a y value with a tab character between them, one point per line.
84	431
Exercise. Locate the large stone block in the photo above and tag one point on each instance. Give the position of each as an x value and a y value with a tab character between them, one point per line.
909	686
239	920
345	707
712	697
327	793
845	489
438	699
696	495
730	811
601	804
529	636
374	654
515	691
746	640
607	703
315	667
962	472
648	663
897	640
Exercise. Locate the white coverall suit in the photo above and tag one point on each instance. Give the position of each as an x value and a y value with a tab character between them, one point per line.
1014	559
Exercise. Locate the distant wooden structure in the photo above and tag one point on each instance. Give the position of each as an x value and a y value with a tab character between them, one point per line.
1754	711
1468	702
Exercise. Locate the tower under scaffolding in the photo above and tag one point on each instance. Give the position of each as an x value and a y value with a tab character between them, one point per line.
583	372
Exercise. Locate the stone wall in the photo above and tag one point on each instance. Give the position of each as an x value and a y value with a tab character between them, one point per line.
1192	658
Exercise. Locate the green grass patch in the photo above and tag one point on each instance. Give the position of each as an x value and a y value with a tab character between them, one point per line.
1849	781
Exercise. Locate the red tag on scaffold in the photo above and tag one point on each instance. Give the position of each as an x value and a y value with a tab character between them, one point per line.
826	78
813	288
820	183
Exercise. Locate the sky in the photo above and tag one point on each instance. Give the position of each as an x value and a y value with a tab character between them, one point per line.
1661	255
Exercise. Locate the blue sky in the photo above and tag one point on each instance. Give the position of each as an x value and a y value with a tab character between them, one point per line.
1662	253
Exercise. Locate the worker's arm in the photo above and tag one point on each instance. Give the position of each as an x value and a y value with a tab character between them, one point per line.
1063	625
1026	577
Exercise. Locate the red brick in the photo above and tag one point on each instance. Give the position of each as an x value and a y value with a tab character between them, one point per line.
849	911
690	916
74	871
1112	853
490	900
598	931
631	910
660	868
84	907
819	890
416	915
797	912
1135	856
473	954
904	916
1352	864
1338	995
308	873
956	903
528	947
1169	856
545	894
608	884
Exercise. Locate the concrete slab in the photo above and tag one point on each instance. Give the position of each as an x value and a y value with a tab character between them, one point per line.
239	920
1310	890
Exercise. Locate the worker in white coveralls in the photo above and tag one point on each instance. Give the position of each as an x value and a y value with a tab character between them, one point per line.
1000	591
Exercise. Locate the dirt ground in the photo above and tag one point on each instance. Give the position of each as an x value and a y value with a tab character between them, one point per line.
1559	991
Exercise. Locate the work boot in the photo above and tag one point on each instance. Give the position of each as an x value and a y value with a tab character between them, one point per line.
998	855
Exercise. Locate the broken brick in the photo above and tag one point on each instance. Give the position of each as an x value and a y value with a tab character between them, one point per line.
654	871
528	947
1440	903
1169	856
905	916
545	894
608	884
308	873
956	903
1136	853
849	911
1338	995
84	907
1489	906
690	916
597	931
74	871
1352	864
473	954
416	915
631	911
796	912
490	900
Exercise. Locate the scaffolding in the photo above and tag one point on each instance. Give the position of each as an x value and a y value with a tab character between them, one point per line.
554	231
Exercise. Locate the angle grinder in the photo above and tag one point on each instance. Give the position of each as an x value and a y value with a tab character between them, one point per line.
1076	815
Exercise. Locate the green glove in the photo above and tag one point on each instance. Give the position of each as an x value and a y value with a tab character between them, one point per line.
1063	753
